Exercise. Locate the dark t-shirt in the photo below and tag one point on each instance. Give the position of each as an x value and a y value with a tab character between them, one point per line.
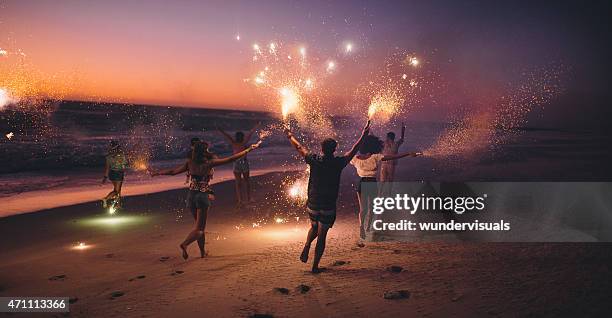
324	181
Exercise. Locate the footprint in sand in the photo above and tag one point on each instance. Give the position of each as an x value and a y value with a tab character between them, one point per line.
395	269
164	258
176	273
396	294
282	290
58	277
137	277
303	288
340	263
116	294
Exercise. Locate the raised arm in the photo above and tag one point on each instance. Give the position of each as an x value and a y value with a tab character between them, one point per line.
251	132
366	130
401	155
401	141
221	161
228	136
296	144
171	171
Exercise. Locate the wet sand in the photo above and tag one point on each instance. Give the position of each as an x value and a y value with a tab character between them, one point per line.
135	256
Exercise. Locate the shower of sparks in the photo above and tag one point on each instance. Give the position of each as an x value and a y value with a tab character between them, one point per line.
404	76
9	135
297	189
3	52
485	130
385	104
288	85
289	101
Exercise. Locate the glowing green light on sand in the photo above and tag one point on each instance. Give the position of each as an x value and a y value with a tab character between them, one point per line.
115	221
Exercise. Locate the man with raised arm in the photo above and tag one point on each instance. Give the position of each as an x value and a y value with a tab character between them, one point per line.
323	187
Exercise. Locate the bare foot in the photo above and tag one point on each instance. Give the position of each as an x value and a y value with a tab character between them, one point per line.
304	256
185	255
317	270
203	253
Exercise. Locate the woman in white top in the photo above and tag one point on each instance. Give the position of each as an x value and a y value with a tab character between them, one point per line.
367	162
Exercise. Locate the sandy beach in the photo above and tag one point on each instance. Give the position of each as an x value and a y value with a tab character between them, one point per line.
132	266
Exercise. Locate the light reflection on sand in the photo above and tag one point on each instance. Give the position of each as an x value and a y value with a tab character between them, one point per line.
114	221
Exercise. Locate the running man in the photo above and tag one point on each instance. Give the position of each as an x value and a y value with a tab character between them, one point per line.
241	166
114	170
323	187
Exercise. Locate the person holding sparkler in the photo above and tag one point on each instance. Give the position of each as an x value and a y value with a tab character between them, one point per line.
241	166
367	163
114	170
387	168
200	192
323	187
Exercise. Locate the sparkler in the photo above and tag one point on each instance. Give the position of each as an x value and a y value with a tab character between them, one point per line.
385	104
9	135
81	246
289	101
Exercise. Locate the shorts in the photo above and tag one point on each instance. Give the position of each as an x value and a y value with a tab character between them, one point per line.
241	165
115	175
327	217
362	180
198	200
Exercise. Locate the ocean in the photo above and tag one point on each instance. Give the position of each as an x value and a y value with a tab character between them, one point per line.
65	144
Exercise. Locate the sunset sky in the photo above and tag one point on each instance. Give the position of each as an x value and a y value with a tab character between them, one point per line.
185	52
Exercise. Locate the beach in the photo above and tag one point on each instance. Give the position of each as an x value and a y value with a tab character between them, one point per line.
130	265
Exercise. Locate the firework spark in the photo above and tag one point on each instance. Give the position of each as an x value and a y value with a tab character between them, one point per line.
331	66
6	98
9	135
348	48
80	246
3	52
289	101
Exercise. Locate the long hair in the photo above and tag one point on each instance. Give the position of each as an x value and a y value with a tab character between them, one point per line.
114	147
371	144
200	153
